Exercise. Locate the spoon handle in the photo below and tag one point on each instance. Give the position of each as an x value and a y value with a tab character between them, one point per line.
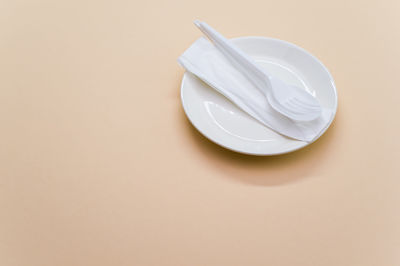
246	64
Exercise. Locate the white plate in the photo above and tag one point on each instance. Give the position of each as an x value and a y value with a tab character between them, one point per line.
222	122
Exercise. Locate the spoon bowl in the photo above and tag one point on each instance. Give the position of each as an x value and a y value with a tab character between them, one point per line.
292	101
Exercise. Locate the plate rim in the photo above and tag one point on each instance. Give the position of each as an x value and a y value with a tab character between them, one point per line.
334	110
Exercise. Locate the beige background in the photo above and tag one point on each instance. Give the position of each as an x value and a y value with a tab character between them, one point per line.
99	166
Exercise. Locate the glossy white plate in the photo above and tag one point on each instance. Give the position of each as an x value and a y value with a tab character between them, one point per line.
222	122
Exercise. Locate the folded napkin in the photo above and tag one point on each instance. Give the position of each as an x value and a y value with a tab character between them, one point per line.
207	62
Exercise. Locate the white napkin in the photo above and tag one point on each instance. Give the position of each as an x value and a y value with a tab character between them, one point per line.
208	63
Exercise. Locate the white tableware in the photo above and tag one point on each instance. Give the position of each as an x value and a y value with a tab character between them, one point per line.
225	124
289	100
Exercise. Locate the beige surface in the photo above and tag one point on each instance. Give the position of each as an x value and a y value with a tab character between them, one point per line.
99	166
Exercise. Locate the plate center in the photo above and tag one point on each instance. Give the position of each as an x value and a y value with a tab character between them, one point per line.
235	122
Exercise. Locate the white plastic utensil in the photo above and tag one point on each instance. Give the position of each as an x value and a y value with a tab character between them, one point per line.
291	101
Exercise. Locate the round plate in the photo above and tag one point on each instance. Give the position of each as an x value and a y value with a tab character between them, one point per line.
222	122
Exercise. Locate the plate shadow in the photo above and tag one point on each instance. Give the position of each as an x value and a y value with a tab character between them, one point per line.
263	170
